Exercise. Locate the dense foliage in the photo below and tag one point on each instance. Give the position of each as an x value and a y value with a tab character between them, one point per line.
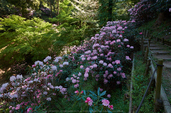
101	62
146	10
23	39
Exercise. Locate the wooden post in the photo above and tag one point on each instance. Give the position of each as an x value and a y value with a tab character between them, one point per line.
158	85
142	42
147	68
146	55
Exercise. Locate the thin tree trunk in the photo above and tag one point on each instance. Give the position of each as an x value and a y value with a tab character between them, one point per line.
110	10
57	9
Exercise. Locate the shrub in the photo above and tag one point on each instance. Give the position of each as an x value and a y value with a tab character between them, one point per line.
100	62
25	39
146	10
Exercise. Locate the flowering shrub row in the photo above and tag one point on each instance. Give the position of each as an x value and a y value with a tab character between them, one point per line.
145	10
102	59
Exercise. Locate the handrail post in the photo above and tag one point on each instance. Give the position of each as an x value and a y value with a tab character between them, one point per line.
146	55
142	42
158	85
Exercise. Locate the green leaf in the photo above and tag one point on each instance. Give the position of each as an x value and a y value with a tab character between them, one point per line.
109	111
84	92
90	109
98	91
103	93
93	93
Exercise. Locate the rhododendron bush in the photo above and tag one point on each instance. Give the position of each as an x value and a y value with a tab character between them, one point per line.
145	10
140	12
104	61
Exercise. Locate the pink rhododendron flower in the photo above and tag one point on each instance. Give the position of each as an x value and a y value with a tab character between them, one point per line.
140	33
118	82
118	40
12	78
105	81
108	95
114	31
79	74
85	78
101	54
105	75
106	72
83	59
74	80
128	46
112	42
119	28
94	58
119	69
76	85
101	89
88	58
132	47
101	62
105	102
48	99
17	107
119	46
87	69
110	75
94	65
45	92
125	40
33	65
110	65
169	9
77	92
29	110
97	76
54	68
104	64
127	58
123	75
120	36
88	52
117	61
110	106
86	75
89	101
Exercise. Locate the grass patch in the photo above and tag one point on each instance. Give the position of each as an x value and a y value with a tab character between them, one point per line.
140	83
120	103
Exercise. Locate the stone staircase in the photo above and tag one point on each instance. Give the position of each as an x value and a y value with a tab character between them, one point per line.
160	51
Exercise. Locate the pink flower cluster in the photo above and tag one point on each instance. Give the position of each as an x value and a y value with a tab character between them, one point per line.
89	101
106	103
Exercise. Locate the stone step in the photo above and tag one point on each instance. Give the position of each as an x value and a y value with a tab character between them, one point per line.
151	45
167	64
164	57
157	48
161	52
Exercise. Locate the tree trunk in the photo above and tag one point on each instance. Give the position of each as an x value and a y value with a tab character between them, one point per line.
160	19
110	10
57	9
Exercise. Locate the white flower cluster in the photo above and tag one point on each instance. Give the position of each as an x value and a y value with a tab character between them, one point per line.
47	59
